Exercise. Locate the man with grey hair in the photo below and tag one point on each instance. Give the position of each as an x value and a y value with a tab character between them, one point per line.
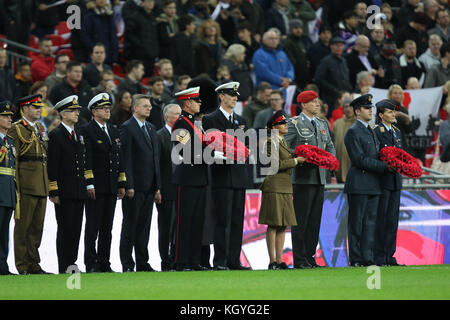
166	209
364	81
412	84
432	56
140	154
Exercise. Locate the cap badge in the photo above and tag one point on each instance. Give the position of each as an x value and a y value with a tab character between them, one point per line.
74	101
370	99
105	98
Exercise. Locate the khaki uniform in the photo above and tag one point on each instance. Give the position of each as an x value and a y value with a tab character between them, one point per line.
31	144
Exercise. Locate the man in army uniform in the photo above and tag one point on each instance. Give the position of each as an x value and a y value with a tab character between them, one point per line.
31	143
7	173
308	179
391	186
105	178
67	184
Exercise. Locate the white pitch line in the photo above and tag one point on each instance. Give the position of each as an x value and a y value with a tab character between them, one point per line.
427	223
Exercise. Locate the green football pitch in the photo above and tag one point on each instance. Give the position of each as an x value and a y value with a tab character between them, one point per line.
411	282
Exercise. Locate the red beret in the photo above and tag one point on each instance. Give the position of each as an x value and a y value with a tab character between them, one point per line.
306	96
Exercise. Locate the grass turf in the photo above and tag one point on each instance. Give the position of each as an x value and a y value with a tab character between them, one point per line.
412	282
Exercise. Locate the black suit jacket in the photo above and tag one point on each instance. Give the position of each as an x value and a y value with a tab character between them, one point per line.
389	180
140	156
355	65
103	160
227	175
168	189
363	177
66	164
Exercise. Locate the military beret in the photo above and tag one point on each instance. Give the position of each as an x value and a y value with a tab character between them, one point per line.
362	101
5	108
307	96
387	104
70	102
35	100
277	118
230	88
100	100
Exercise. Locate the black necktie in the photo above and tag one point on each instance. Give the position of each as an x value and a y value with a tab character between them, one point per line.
144	128
104	130
314	125
230	119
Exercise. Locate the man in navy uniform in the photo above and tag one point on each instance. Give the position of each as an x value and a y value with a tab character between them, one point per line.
362	184
391	185
106	182
229	182
8	186
140	153
191	177
67	183
308	179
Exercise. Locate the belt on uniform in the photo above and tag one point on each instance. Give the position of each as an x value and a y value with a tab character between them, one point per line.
8	171
32	159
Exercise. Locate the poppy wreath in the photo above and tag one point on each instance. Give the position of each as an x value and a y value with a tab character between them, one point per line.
317	156
401	161
231	147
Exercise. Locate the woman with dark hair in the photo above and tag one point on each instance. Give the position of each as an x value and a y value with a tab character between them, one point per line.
277	206
122	109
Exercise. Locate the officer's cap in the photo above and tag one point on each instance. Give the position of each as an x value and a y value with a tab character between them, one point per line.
34	100
278	117
363	101
387	104
189	94
100	100
230	88
71	102
5	108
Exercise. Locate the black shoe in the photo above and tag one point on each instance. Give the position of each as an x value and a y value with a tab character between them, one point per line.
183	268
40	271
105	268
146	268
239	267
221	268
358	264
396	264
304	265
199	267
92	270
273	266
24	273
7	273
128	270
282	266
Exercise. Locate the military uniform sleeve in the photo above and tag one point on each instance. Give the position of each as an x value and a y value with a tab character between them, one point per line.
54	158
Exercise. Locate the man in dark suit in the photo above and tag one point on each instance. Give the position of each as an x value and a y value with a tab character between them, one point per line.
229	182
106	182
362	184
140	153
190	175
7	184
67	184
308	179
391	185
167	207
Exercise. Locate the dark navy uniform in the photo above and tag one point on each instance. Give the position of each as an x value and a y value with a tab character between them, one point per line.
8	188
106	175
66	173
363	187
389	206
191	178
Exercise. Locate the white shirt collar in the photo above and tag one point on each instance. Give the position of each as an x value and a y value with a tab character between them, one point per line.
225	113
69	129
141	124
101	125
388	128
364	123
168	128
2	135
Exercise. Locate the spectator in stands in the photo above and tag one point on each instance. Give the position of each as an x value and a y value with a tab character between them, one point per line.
199	10
91	72
45	19
8	88
276	104
348	29
182	82
182	49
302	10
271	62
23	79
223	75
229	18
74	84
432	56
253	14
360	10
141	36
412	84
406	13
386	21
43	63
364	81
339	111
377	35
167	27
156	117
259	102
209	48
332	74
279	16
390	64
296	52
39	87
360	59
245	37
409	64
430	7
166	73
442	27
129	8
340	128
106	84
439	74
61	61
132	82
121	111
98	26
415	31
234	59
321	48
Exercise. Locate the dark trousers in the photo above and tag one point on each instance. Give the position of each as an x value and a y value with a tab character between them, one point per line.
308	205
5	219
166	232
387	226
99	223
189	230
362	217
229	207
137	217
69	217
28	232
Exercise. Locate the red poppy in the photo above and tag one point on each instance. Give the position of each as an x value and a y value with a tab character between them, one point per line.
317	156
401	161
228	144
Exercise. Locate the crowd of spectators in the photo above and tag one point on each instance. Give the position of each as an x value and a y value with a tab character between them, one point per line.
338	48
